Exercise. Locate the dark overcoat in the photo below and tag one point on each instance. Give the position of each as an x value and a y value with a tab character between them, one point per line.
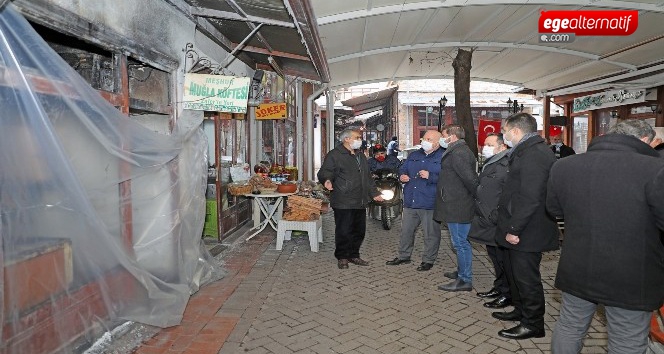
564	150
612	198
491	180
456	186
522	203
350	177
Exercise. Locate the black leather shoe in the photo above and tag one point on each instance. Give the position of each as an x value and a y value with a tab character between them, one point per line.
358	261
521	332
456	285
451	275
398	261
342	264
498	303
489	294
507	316
424	267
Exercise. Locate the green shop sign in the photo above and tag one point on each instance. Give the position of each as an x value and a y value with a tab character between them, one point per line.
215	93
608	99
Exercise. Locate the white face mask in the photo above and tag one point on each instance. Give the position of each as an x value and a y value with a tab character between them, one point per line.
443	143
356	144
507	141
427	146
487	151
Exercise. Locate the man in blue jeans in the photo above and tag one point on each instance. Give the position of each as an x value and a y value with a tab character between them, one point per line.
455	203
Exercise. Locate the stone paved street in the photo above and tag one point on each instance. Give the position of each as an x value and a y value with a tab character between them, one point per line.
296	301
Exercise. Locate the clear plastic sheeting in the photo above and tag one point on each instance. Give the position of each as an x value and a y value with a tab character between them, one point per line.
101	218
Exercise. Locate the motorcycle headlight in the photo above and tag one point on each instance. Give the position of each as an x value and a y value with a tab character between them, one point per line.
387	194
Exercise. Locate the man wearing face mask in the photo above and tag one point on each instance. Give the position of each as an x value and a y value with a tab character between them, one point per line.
345	172
483	227
419	173
455	203
559	149
525	230
381	160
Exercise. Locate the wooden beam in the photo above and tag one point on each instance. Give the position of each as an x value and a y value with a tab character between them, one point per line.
252	49
226	15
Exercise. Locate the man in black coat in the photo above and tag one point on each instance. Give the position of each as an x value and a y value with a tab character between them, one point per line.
483	228
345	172
559	149
455	205
612	198
525	230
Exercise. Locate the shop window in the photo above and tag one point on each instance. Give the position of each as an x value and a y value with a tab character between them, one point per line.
149	89
580	134
93	63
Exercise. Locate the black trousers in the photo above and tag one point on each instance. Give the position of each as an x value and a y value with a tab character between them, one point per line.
500	282
350	226
523	274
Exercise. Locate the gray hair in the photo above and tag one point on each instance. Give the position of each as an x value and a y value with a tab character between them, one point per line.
524	121
635	127
347	133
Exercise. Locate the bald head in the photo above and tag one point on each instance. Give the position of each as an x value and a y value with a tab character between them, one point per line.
432	136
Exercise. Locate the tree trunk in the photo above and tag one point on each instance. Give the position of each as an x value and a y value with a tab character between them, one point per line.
462	65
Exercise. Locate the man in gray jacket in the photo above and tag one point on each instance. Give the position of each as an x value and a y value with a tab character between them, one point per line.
612	198
455	204
345	172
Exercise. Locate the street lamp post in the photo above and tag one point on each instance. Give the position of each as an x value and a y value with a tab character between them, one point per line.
513	106
429	109
441	105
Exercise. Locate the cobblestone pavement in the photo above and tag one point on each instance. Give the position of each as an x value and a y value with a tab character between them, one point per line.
304	304
297	301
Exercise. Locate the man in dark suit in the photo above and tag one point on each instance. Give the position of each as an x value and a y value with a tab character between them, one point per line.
612	198
483	227
525	230
455	205
559	149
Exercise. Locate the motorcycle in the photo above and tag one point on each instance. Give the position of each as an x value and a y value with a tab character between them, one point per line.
390	208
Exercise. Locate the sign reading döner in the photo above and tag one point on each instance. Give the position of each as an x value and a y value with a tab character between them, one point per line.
271	111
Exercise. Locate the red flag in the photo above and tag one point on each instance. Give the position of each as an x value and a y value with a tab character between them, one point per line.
555	130
486	127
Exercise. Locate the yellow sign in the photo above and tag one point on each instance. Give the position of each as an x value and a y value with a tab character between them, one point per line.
215	93
271	111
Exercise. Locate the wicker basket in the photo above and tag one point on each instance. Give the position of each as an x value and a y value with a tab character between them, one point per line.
239	189
267	190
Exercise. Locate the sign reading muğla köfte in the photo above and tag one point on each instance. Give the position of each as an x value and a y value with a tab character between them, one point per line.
215	93
271	111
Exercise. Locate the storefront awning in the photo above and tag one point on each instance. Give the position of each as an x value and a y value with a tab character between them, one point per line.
370	102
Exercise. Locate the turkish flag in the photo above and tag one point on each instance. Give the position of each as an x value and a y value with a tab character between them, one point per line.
555	130
486	127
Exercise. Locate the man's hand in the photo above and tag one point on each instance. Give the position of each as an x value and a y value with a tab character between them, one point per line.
423	174
378	198
404	178
513	239
328	185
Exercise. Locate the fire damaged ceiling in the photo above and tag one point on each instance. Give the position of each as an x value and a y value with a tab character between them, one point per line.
284	30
